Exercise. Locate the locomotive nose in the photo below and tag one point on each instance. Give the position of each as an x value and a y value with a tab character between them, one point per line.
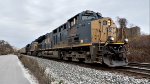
115	63
115	56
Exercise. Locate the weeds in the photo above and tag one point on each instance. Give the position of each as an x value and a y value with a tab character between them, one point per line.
36	70
139	49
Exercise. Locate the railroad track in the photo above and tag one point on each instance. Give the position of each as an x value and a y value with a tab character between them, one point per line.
138	68
135	68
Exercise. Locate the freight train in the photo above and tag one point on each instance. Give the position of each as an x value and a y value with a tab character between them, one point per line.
88	37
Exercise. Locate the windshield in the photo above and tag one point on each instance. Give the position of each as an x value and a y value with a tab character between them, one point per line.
88	17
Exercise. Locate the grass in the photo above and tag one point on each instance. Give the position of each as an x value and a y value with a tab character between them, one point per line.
36	70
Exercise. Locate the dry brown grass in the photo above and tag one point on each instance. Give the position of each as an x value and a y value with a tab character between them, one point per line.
36	70
139	49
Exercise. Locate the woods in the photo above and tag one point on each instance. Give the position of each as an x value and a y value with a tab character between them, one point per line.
5	48
139	49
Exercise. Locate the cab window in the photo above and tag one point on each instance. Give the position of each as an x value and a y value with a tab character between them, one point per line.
104	22
88	17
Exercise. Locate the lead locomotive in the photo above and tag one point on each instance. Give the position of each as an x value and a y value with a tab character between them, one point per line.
86	37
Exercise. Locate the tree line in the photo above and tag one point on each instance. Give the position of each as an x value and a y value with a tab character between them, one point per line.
5	48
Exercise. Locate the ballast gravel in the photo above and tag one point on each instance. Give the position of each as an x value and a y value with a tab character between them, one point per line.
74	74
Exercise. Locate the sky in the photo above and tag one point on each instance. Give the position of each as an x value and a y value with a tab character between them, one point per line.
22	21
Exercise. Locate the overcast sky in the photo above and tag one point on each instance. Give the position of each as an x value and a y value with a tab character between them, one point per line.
22	21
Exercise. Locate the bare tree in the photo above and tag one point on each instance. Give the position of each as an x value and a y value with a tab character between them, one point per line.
123	25
122	22
5	48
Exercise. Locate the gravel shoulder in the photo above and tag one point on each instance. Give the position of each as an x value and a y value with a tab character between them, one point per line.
74	74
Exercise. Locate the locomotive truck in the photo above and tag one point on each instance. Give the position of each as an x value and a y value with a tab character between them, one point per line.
88	37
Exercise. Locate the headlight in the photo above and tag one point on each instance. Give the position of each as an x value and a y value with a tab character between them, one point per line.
81	41
111	38
126	40
109	22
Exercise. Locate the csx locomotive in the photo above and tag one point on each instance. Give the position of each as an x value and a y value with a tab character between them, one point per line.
86	37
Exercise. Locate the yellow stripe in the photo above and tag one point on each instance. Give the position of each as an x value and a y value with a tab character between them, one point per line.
88	44
116	43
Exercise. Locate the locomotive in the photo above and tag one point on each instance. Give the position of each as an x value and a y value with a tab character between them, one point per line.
88	37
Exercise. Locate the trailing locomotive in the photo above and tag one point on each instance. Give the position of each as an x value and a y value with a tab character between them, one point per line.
86	37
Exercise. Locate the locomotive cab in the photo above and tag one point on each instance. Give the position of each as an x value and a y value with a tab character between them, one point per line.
112	50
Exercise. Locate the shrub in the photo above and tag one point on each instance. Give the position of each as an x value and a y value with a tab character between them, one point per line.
139	49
